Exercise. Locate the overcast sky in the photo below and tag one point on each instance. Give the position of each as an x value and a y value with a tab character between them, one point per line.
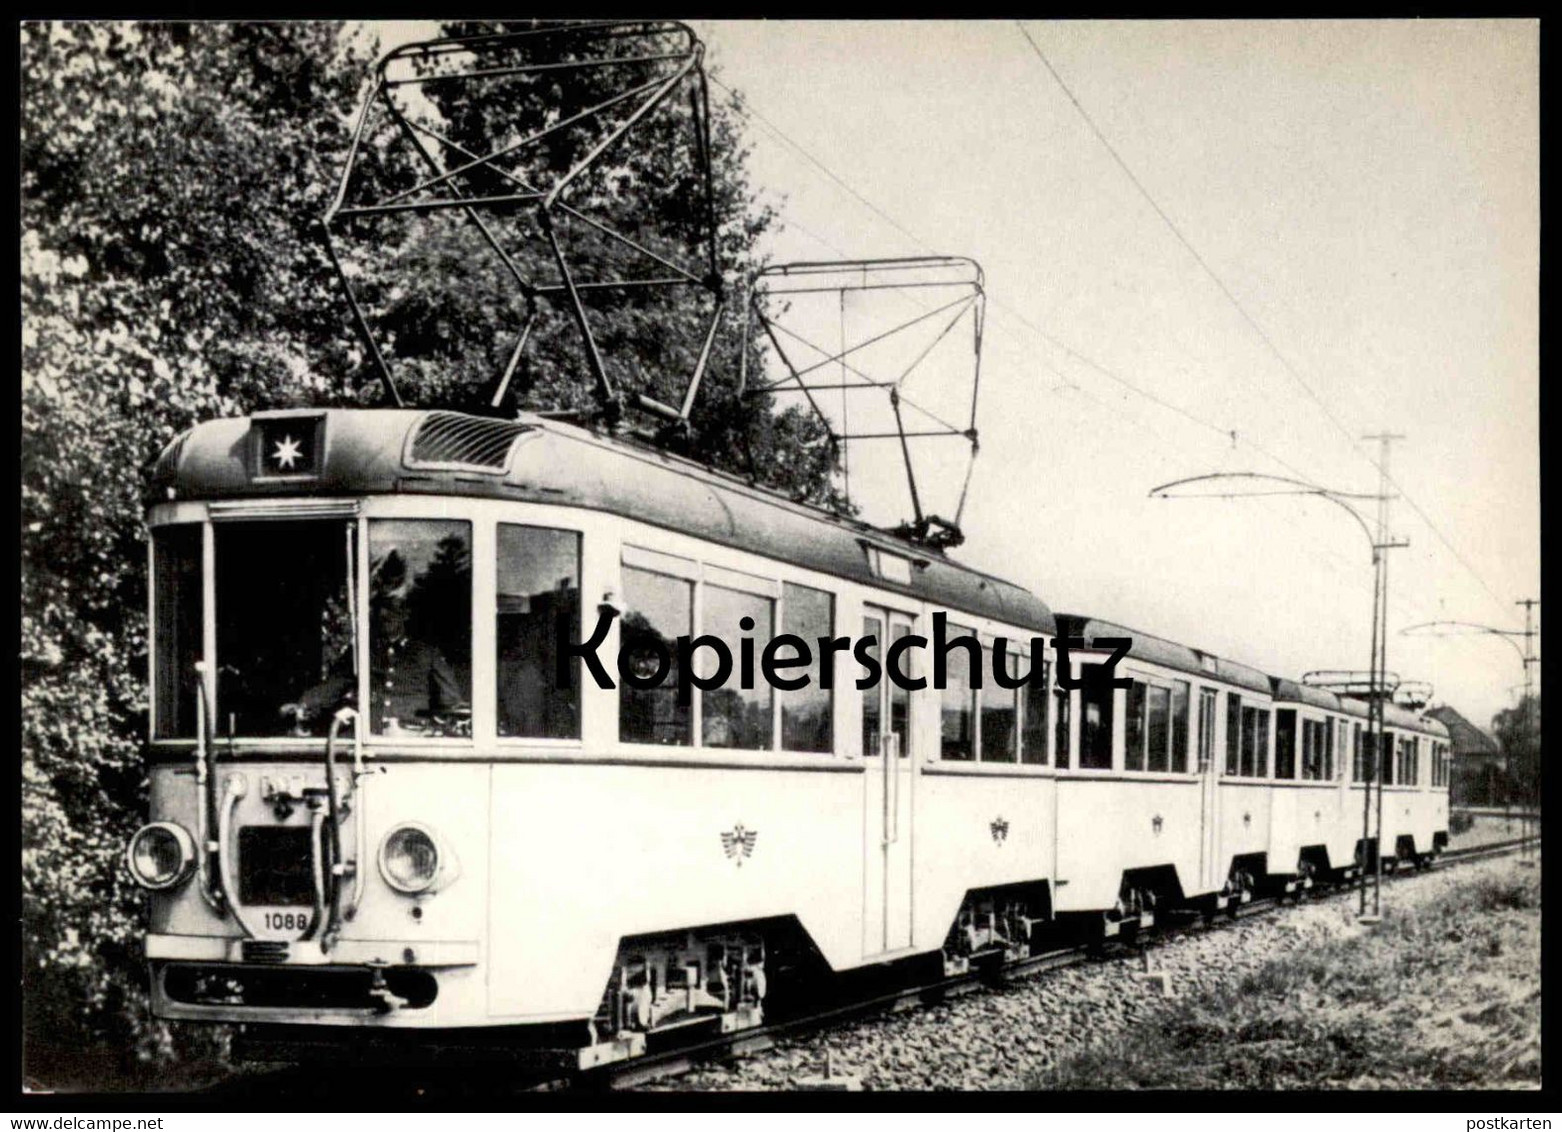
1367	191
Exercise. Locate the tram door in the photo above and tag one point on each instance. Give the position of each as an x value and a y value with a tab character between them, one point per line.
887	799
1210	864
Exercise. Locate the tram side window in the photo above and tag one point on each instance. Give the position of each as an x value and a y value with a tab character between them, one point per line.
538	584
958	739
807	714
1134	726
177	601
1060	727
658	610
900	703
285	625
1386	758
1158	728
1095	726
1357	756
1255	743
1207	698
731	715
1329	729
872	698
1179	726
1233	733
1033	732
1000	710
1148	727
1312	760
1263	743
1285	743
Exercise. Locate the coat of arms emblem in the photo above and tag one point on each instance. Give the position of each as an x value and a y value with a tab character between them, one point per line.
739	843
1000	830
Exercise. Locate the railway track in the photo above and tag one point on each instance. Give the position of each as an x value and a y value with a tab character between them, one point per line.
663	1064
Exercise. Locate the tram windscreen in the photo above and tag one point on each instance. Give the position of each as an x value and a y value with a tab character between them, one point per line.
284	625
177	627
420	627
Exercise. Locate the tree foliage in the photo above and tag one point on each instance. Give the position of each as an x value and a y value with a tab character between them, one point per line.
1518	731
170	175
172	179
447	310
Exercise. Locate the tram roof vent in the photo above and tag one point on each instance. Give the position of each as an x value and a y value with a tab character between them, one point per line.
455	441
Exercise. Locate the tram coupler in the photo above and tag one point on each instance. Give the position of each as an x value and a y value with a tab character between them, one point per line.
385	1000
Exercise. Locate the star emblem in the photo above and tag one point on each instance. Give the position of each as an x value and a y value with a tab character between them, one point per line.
287	452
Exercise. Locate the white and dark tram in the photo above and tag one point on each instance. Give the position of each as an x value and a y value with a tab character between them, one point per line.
376	807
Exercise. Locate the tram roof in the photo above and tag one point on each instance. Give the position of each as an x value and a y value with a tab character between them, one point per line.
1394	716
1158	650
538	460
1289	691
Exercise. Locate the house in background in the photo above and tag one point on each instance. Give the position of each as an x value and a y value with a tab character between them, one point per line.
1477	776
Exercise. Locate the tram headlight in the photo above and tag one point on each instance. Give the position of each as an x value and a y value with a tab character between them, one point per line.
414	860
160	855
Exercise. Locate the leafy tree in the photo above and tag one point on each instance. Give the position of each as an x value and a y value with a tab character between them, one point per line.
170	176
1518	731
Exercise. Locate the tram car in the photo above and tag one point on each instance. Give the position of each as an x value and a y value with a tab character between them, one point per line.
387	802
1416	768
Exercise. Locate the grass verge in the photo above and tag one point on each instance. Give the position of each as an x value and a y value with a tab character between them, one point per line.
1444	994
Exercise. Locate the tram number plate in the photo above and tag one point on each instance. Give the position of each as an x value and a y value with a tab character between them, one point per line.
285	921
